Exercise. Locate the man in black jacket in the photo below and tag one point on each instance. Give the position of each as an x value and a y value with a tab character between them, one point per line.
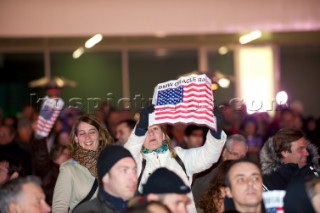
117	178
285	156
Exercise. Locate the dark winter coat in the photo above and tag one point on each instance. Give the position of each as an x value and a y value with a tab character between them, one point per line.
96	205
277	175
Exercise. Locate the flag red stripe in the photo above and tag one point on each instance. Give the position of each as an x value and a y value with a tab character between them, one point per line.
204	91
194	95
43	128
185	117
207	113
41	120
197	85
174	108
44	125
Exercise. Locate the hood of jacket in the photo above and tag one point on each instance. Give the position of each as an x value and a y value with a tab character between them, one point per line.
270	161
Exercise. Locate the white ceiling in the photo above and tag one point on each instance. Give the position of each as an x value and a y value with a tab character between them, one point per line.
77	18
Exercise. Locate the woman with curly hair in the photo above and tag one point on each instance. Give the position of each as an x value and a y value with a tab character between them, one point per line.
77	176
212	199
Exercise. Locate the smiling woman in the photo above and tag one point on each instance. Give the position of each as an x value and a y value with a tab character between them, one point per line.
77	176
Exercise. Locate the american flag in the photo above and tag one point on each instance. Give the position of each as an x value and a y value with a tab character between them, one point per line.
49	112
275	210
188	100
273	201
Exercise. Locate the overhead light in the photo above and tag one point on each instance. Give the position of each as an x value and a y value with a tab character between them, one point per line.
78	52
223	50
224	82
281	97
214	86
93	41
250	37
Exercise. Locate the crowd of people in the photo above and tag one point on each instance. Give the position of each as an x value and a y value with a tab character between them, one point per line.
110	161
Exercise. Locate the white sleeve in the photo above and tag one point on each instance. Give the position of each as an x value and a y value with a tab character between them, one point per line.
201	158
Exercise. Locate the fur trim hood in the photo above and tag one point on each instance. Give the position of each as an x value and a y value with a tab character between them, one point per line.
270	161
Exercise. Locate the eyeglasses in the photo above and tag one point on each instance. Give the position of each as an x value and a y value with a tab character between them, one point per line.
237	155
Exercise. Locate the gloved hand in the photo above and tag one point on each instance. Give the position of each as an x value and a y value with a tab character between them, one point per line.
142	126
217	111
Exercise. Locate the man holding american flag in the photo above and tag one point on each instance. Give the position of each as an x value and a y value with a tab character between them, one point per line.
187	100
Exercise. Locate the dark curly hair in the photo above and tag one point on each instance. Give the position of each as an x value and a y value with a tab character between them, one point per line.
212	199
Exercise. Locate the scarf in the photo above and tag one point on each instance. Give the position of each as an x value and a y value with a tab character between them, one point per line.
164	147
87	158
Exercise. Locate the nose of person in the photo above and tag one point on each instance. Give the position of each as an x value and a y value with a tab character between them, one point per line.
250	181
87	136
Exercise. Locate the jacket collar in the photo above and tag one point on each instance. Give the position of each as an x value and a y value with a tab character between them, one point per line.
113	202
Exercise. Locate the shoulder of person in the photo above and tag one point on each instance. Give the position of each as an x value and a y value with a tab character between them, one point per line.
90	206
72	164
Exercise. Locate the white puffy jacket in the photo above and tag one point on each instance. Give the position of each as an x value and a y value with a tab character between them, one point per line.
195	160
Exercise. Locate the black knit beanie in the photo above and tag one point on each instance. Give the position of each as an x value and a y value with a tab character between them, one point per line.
110	156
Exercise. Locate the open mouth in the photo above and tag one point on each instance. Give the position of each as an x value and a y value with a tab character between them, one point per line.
88	144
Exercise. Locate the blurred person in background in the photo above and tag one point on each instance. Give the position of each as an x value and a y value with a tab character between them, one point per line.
312	131
249	131
8	146
123	130
9	169
114	117
194	136
177	135
24	134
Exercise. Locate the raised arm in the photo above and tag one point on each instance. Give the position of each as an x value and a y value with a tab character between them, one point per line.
138	135
201	158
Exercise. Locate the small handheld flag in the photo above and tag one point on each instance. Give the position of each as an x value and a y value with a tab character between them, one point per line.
49	112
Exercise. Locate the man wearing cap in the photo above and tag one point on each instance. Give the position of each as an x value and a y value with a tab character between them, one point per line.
167	187
117	178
